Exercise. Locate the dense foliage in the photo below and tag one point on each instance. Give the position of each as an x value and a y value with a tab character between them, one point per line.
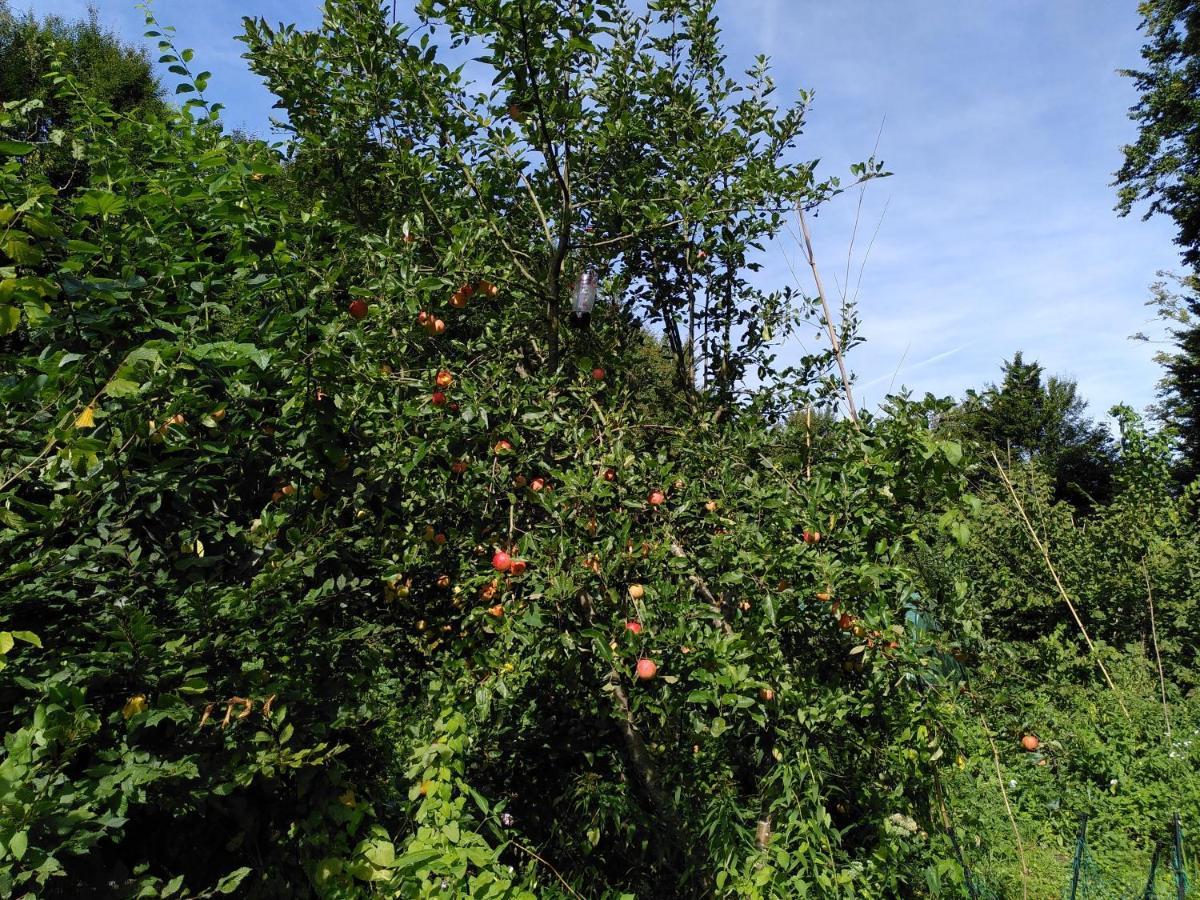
251	504
338	559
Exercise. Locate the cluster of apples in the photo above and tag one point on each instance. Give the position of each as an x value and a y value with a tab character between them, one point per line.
442	382
434	326
468	290
504	563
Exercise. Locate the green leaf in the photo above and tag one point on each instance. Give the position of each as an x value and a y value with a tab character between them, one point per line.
6	642
381	854
18	844
28	637
10	318
229	883
121	387
15	148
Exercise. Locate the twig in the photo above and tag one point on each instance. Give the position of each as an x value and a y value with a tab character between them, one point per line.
1162	681
1054	573
1011	818
833	338
563	881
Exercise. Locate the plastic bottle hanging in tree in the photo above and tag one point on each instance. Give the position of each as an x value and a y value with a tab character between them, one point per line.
585	296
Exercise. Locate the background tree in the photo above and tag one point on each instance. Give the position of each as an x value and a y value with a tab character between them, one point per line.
116	74
1177	301
1031	419
1163	167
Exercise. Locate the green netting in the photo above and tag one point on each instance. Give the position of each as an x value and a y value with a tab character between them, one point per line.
1166	880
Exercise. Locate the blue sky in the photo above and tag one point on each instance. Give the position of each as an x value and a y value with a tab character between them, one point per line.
1003	124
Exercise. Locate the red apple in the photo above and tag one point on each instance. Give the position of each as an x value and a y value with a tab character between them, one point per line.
598	373
501	561
517	567
845	621
358	309
438	399
646	669
503	446
633	627
610	474
444	379
458	467
656	498
1030	742
537	484
422	318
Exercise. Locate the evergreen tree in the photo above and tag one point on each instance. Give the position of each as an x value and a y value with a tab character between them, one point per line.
1031	419
1163	167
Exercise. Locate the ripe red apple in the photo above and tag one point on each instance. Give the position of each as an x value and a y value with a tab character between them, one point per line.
501	561
444	379
458	467
610	474
656	498
458	300
438	399
422	318
438	326
517	567
287	490
633	627
1030	742
537	484
811	537
598	374
702	255
358	309
646	669
845	621
766	695
503	446
439	539
467	290
488	289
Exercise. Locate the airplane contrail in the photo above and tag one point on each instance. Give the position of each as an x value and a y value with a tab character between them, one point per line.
925	362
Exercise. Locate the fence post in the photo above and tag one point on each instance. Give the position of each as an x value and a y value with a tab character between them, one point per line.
1077	865
1177	861
1148	894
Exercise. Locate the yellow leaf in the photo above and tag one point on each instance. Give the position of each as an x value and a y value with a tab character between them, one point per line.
134	705
87	418
199	548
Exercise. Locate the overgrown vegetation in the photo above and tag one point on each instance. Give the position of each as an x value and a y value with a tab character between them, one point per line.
337	559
